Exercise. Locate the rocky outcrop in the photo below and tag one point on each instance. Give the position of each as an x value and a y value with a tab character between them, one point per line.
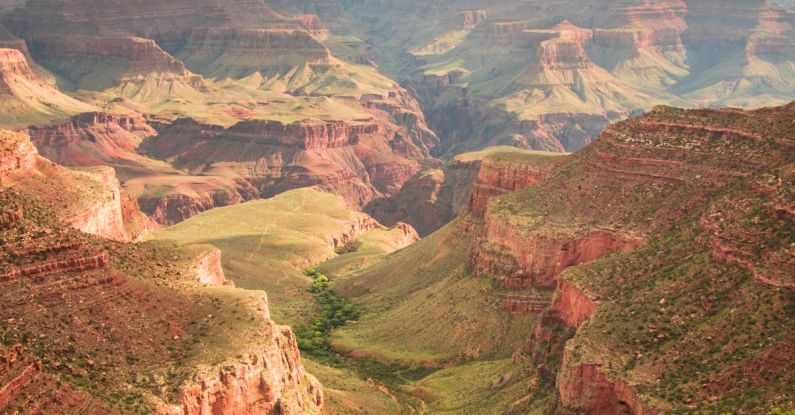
497	178
585	388
66	265
104	216
572	305
14	64
209	270
537	259
105	210
269	380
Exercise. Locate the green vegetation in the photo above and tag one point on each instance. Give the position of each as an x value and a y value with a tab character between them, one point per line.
268	250
332	312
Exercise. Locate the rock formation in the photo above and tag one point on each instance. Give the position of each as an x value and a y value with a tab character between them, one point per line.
89	200
109	317
93	139
637	256
434	196
553	75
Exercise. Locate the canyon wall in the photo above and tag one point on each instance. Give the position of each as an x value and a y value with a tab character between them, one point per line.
88	279
341	157
270	380
105	210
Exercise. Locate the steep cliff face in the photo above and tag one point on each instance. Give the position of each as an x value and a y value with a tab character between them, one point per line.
524	261
89	200
268	381
586	388
498	177
85	279
572	305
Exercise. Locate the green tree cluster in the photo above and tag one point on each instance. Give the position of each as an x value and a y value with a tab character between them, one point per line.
332	312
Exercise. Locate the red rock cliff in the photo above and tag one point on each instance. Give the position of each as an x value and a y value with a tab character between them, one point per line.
269	380
573	306
585	388
536	259
497	178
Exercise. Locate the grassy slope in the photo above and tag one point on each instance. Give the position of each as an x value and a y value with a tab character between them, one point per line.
266	243
428	282
367	249
267	250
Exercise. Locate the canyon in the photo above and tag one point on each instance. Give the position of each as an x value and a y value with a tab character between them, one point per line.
349	206
552	75
585	255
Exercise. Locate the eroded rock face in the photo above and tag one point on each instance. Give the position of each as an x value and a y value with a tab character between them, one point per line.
209	270
585	388
271	381
17	155
536	259
499	178
347	159
106	210
572	305
13	63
